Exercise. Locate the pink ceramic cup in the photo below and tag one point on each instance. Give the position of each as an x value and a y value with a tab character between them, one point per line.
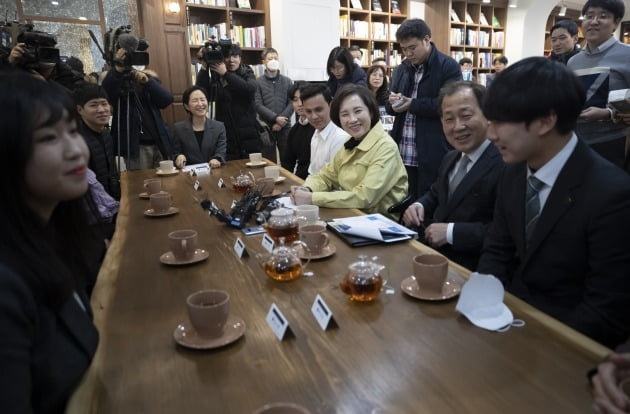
208	311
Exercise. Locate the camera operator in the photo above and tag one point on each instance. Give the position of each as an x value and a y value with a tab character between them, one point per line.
139	132
56	71
232	85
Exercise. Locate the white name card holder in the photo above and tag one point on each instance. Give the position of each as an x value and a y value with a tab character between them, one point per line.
239	248
267	243
221	183
278	323
197	185
322	313
202	170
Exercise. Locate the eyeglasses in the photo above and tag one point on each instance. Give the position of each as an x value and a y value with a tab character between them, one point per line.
601	16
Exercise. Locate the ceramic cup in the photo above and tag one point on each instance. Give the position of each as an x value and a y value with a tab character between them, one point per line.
208	311
307	214
430	271
265	185
272	171
183	244
153	185
255	157
314	236
166	166
161	202
282	408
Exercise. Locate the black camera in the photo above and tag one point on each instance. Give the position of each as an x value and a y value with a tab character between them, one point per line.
241	212
121	37
216	52
39	47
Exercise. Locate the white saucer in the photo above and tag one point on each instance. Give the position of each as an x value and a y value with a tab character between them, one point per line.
450	289
199	256
147	196
171	210
280	179
327	251
167	173
185	335
256	164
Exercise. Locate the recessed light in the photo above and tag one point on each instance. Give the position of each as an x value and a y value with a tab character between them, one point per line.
54	3
82	18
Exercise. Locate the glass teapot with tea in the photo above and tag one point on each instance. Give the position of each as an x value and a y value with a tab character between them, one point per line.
282	222
283	264
364	280
243	182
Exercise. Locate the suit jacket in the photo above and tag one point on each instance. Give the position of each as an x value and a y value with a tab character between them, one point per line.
577	266
213	144
470	207
43	352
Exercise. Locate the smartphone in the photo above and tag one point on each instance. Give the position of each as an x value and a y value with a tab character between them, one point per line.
249	231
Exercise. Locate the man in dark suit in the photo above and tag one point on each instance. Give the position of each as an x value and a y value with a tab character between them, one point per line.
460	203
561	229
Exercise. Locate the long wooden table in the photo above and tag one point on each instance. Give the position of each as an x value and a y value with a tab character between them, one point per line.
395	355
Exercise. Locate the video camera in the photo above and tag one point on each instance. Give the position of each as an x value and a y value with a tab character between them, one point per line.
121	37
241	212
216	52
39	47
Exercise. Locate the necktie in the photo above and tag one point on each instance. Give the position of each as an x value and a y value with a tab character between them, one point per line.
532	205
459	174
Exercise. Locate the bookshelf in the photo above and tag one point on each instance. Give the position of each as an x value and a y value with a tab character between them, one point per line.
225	19
373	28
554	18
475	30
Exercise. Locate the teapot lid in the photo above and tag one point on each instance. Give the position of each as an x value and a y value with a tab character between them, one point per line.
282	211
363	266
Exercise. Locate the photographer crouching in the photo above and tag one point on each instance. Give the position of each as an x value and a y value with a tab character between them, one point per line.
232	85
138	129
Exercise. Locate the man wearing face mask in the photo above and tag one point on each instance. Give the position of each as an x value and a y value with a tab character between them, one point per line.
272	102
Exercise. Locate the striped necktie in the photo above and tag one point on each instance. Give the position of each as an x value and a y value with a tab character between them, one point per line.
532	205
459	174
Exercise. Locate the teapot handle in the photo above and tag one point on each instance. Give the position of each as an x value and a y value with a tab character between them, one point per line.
300	243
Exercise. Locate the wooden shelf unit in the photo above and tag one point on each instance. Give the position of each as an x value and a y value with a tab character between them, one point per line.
471	36
554	18
372	30
229	21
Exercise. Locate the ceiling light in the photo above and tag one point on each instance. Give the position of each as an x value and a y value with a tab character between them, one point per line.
513	3
486	1
82	18
563	11
54	3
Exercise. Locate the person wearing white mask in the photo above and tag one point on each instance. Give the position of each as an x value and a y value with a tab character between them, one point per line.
273	105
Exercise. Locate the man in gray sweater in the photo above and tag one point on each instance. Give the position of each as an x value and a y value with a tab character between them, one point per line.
272	103
606	63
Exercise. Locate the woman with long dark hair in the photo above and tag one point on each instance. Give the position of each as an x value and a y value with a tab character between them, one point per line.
377	83
342	70
47	339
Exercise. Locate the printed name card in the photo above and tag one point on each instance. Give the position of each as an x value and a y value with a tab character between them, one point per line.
202	170
197	185
221	183
239	248
267	243
322	313
278	323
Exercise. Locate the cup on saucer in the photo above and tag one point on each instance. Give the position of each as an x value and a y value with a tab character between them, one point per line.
183	244
282	408
255	158
430	271
167	166
307	214
208	310
314	236
153	185
161	202
272	171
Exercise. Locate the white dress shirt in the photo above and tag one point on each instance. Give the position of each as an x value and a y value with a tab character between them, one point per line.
324	146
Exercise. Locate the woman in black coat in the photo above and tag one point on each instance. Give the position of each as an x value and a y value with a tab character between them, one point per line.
342	70
199	139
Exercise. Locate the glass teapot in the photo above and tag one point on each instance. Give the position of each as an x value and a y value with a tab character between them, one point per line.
243	182
282	222
363	281
283	264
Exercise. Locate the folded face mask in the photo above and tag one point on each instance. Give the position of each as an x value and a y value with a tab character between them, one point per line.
481	301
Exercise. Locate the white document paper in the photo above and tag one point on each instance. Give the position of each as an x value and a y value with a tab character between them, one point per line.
372	226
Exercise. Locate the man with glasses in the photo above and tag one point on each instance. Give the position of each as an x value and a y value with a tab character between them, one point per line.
604	65
416	84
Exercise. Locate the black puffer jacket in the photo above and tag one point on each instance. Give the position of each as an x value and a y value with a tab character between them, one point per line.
235	108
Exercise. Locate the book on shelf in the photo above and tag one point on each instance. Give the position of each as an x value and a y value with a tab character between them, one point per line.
376	6
482	19
344	24
356	4
455	17
395	7
498	40
495	21
244	4
468	18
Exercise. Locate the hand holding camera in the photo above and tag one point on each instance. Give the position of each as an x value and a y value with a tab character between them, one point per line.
218	67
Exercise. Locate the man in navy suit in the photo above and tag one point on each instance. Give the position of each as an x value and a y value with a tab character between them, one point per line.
460	203
560	235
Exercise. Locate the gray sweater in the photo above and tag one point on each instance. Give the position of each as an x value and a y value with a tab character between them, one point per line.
271	98
615	56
